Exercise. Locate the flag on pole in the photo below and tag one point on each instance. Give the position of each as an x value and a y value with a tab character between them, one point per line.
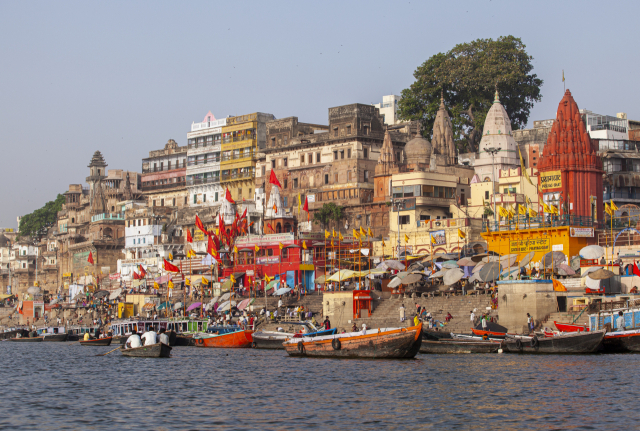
273	179
340	237
299	203
235	249
636	270
607	209
304	245
614	207
546	208
406	238
231	277
275	209
306	207
170	256
267	278
90	259
143	272
326	234
433	239
187	282
558	287
522	210
362	232
280	245
355	234
461	234
532	213
228	197
170	267
562	75
170	284
200	226
369	232
257	249
205	281
189	237
523	169
156	285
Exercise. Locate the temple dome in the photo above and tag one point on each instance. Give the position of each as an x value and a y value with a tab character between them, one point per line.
418	149
497	121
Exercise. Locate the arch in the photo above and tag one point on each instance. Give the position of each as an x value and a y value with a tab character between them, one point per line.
487	180
107	232
613	249
423	250
73	220
278	228
287	227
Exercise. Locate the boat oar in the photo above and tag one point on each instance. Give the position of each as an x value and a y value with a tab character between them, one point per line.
105	354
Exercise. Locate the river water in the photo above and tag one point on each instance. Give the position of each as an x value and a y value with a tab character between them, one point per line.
59	386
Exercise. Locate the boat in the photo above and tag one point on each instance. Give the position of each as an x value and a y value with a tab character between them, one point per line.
53	333
383	343
430	334
122	329
459	346
622	341
158	350
76	333
97	342
570	327
13	333
565	342
274	339
493	330
238	338
27	339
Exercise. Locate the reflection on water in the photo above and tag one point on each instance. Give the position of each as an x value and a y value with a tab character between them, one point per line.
63	386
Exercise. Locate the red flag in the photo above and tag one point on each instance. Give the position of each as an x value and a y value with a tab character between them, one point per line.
216	241
273	179
636	270
200	226
189	237
269	225
170	267
244	214
211	245
90	260
143	273
135	275
228	197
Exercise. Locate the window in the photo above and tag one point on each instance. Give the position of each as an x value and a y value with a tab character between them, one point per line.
144	240
285	183
239	193
285	140
335	132
285	201
366	130
195	198
169	165
264	171
397	157
285	161
349	129
295	183
139	222
317	157
174	202
326	180
310	158
486	194
348	175
335	155
404	219
204	197
161	202
273	142
367	219
335	178
185	200
249	193
366	176
161	166
273	164
366	153
349	153
154	202
301	159
342	154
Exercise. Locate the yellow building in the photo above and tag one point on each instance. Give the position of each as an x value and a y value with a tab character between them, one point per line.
242	137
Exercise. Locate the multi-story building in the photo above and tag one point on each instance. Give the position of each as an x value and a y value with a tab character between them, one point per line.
203	162
389	109
621	164
164	175
242	137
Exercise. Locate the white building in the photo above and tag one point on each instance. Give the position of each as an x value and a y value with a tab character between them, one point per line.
389	109
203	162
606	126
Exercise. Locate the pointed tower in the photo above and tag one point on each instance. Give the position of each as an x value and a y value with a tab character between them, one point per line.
570	170
97	172
442	140
387	166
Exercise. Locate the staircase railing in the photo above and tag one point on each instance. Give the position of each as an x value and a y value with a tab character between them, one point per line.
579	314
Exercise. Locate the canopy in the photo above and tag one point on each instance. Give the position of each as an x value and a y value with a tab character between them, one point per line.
149	305
592	252
450	264
548	261
592	284
320	280
343	274
245	303
177	306
412	278
527	258
282	291
237	275
224	306
564	269
164	279
585	272
391	264
478	267
164	305
479	257
452	276
272	283
115	293
225	297
439	273
508	260
5	296
465	261
601	274
100	294
194	306
397	281
490	271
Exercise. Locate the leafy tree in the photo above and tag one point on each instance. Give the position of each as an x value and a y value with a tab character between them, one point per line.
467	77
328	213
43	217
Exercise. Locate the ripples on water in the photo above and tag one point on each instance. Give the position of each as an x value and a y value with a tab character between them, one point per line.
53	386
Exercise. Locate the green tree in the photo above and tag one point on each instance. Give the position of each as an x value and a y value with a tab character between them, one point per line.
467	77
46	216
328	213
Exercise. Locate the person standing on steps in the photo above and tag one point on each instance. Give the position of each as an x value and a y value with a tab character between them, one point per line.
472	318
530	323
402	313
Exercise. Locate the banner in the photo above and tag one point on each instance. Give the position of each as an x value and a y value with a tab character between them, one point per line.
527	245
438	237
114	276
581	232
550	180
266	260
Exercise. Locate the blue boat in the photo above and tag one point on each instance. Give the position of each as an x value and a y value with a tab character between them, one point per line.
274	339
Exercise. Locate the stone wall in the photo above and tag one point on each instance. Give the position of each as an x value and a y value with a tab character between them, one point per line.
518	298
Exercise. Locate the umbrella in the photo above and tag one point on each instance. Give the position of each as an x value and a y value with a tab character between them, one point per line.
478	267
320	280
450	264
507	260
479	257
558	257
592	252
590	270
440	273
412	278
177	306
466	261
225	297
592	284
507	272
33	290
402	274
194	306
115	293
53	301
164	305
392	264
490	271
224	306
601	274
575	263
282	291
397	281
527	258
474	277
452	276
272	283
100	294
245	303
213	300
564	269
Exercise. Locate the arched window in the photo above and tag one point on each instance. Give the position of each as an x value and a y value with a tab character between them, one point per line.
278	228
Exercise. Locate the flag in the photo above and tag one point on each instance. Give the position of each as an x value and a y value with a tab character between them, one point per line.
214	253
607	209
613	206
228	197
362	232
636	270
306	206
200	226
135	275
187	282
189	237
522	210
231	277
267	278
340	237
275	209
528	200
143	272
369	232
304	245
562	75
331	242
532	213
156	285
326	234
90	259
299	203
171	255
273	179
553	209
333	232
257	249
210	245
170	267
461	234
524	171
406	238
280	245
170	284
558	287
244	214
205	281
383	244
433	239
546	208
356	234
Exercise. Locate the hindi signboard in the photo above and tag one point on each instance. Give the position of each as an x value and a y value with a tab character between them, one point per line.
581	232
550	180
438	237
527	245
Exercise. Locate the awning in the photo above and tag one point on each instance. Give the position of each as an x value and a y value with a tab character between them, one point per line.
115	293
164	279
148	305
4	296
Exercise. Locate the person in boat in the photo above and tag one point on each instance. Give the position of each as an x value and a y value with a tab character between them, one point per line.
484	322
326	323
87	337
150	337
133	341
416	320
354	328
163	337
620	322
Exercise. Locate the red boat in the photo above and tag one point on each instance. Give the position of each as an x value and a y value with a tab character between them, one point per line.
492	330
570	327
491	334
237	339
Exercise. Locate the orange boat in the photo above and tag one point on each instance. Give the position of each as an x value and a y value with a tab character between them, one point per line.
237	339
385	343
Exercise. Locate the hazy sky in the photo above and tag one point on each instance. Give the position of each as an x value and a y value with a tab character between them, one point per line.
124	77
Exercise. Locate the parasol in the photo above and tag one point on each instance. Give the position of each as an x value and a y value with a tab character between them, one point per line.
558	257
474	277
194	306
527	258
490	271
282	291
440	273
412	278
164	305
587	271
33	290
115	293
452	276
177	306
450	264
320	280
224	306
100	294
507	272
479	257
272	283
466	261
478	267
225	297
575	263
592	252
392	264
245	303
397	281
564	269
592	284
601	274
508	260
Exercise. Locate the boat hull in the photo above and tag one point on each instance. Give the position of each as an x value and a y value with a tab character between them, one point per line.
274	340
571	343
428	334
238	339
27	339
97	342
184	340
569	327
157	350
401	343
458	346
55	337
621	342
492	334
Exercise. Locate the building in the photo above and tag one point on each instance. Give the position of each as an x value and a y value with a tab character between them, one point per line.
605	126
389	109
531	141
203	162
242	137
621	164
164	176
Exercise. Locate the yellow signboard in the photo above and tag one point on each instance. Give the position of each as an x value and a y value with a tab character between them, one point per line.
125	309
527	245
550	180
66	274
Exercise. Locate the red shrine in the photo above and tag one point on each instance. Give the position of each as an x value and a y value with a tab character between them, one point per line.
570	169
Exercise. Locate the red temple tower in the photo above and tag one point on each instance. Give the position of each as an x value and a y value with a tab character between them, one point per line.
570	169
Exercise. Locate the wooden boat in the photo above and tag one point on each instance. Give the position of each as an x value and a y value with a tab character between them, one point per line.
274	339
383	343
236	339
13	333
459	346
570	327
566	342
493	330
158	350
430	334
27	339
97	342
185	340
622	341
55	337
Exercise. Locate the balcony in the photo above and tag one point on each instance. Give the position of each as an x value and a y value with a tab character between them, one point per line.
106	216
164	186
232	139
240	156
237	176
203	162
208	125
164	168
621	195
198	181
207	144
540	222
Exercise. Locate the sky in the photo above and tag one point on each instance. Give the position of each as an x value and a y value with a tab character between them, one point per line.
125	77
